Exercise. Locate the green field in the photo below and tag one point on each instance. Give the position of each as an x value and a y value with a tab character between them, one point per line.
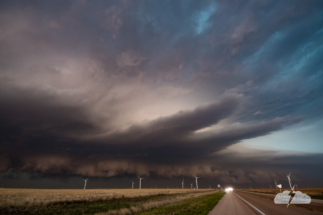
196	206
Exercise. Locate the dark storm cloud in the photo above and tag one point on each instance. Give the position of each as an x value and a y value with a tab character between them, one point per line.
144	87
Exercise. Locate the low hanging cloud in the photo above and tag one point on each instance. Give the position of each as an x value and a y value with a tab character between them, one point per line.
149	148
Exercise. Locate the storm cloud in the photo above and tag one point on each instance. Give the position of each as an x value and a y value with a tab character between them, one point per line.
158	88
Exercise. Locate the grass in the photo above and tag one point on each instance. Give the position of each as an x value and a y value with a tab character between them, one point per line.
93	206
30	197
196	206
67	208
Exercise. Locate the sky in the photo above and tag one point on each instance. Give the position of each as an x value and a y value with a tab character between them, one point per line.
230	91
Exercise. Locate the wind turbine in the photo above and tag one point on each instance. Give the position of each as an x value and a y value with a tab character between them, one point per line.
292	188
197	187
183	184
133	184
85	181
140	182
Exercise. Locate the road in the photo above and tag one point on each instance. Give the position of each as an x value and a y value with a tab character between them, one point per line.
247	203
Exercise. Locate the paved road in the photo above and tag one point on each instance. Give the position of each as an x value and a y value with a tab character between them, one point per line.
245	203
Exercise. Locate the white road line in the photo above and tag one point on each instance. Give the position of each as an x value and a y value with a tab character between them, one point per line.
251	205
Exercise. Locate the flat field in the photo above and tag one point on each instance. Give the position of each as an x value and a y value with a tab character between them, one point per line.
315	193
101	201
22	197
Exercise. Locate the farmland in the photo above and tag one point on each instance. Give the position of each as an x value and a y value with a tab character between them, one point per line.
114	201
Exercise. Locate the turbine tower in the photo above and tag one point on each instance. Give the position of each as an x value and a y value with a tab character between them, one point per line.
183	184
289	180
140	182
133	184
85	181
197	187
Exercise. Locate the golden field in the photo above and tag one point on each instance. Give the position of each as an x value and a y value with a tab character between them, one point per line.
23	197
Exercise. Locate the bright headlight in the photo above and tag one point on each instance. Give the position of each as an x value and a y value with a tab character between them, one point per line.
229	189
